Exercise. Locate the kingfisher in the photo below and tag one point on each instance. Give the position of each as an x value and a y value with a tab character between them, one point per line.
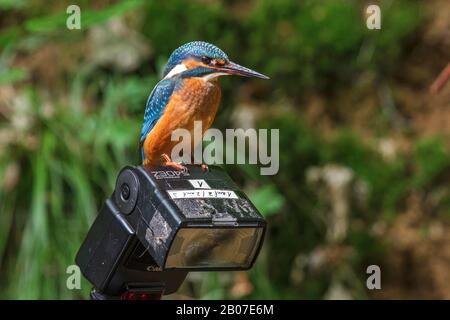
188	91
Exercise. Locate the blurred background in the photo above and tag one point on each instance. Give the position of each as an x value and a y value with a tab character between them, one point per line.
364	149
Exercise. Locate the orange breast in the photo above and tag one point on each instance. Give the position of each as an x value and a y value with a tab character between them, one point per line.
195	100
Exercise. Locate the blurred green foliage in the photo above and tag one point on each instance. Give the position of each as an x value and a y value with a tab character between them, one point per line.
432	159
300	44
61	146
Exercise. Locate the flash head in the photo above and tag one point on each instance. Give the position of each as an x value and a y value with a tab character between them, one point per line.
161	223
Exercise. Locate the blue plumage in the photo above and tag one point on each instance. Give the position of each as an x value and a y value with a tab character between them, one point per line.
193	49
154	107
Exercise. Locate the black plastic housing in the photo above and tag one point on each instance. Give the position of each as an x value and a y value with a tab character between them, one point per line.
128	243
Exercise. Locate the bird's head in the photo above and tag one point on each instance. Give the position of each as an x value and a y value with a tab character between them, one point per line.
202	59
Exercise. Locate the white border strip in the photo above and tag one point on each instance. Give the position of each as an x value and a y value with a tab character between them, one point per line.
198	194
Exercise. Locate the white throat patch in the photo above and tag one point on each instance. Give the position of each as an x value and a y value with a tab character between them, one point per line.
179	68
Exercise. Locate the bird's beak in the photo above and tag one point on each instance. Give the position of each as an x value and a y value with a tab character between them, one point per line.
234	68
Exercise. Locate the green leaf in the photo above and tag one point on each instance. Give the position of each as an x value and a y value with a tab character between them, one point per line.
12	4
267	200
13	75
88	17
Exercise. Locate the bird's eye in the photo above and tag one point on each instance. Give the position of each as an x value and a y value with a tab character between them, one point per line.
206	60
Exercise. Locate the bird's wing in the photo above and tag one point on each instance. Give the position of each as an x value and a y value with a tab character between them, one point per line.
154	107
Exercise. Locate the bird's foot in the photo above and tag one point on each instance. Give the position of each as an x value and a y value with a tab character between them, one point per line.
178	166
146	162
204	166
